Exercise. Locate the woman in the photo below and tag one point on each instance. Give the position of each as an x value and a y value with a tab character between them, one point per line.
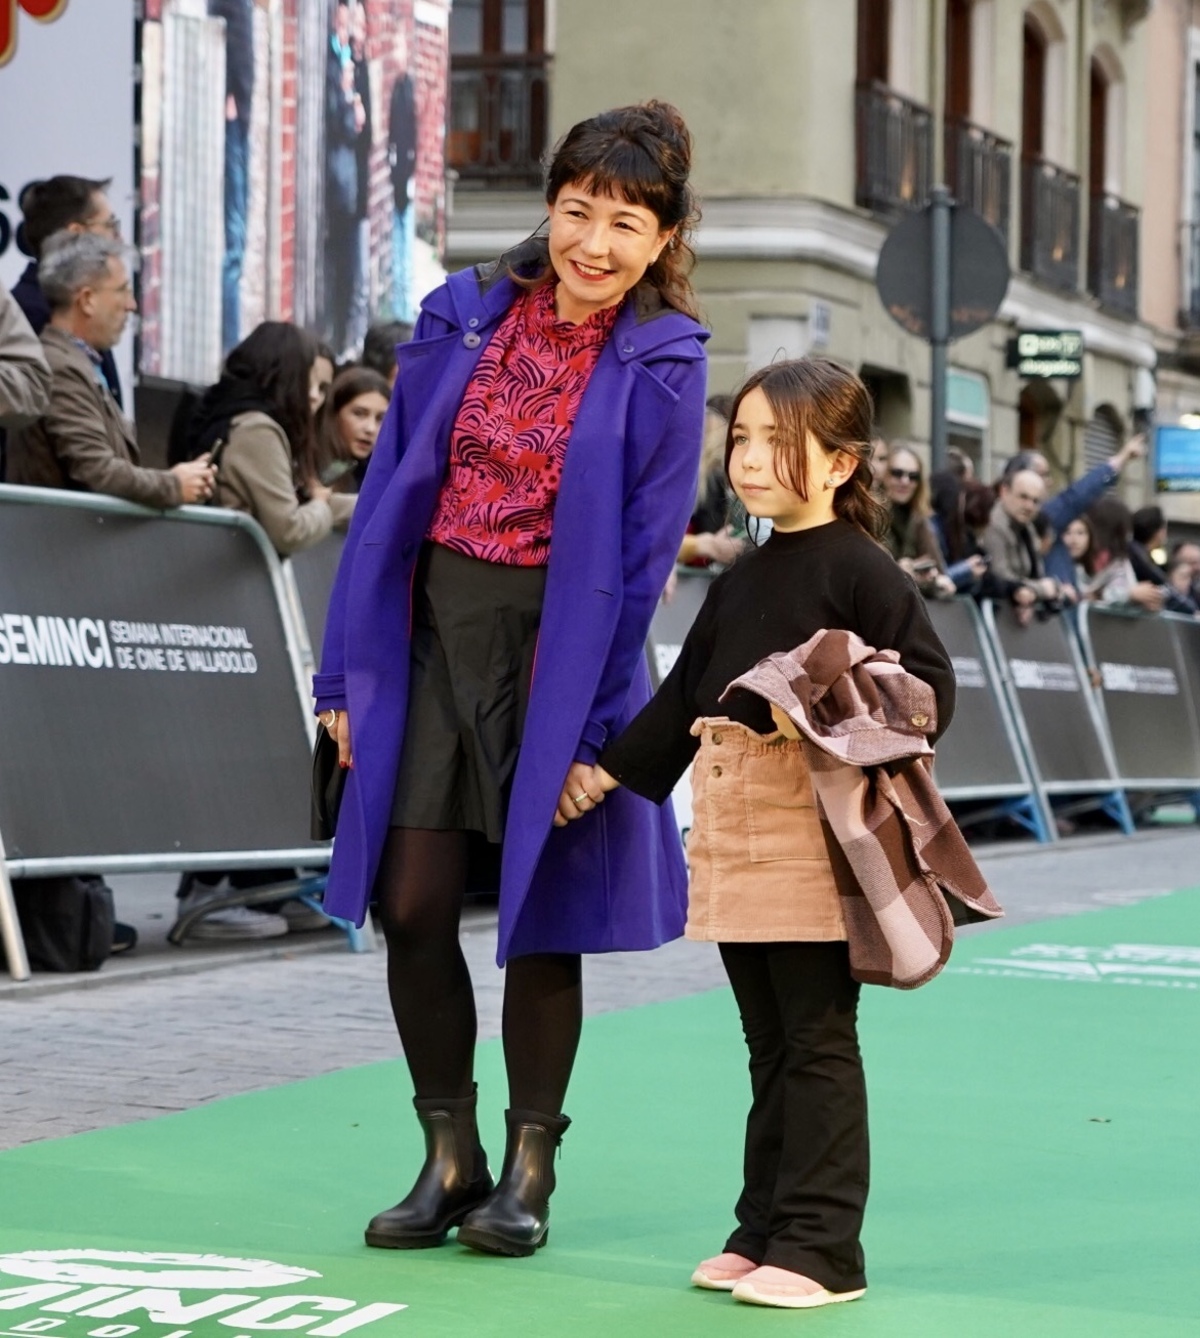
257	420
528	493
909	536
349	427
320	378
955	542
1112	577
1077	542
710	536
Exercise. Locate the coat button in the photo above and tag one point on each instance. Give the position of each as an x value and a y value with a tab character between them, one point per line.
473	322
627	348
920	719
716	771
471	341
406	551
716	738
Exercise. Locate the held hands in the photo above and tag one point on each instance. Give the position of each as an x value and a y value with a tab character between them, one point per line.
584	788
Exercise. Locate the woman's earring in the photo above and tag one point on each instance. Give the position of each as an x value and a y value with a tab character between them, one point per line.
830	483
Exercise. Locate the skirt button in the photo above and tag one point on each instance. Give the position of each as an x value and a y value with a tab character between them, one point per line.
716	771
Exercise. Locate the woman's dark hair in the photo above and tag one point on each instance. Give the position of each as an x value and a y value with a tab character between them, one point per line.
820	397
55	203
1111	523
276	358
978	499
643	154
347	385
946	496
379	345
1146	523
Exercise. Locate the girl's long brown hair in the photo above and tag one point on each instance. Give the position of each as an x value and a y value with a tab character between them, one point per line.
820	397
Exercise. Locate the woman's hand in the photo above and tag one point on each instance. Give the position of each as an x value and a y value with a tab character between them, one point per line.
584	788
337	726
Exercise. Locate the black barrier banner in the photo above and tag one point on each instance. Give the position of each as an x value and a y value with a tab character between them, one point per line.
1049	684
673	620
1147	691
314	570
148	692
978	753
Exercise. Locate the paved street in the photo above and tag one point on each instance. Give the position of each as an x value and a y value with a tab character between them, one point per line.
169	1028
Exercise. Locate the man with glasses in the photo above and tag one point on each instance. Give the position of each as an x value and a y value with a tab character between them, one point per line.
77	204
83	440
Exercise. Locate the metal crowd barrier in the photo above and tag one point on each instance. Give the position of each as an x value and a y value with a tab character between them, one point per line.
154	694
1054	717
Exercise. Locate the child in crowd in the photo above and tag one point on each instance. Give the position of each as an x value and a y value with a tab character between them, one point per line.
798	453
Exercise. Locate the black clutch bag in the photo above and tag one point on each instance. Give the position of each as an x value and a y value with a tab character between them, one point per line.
328	782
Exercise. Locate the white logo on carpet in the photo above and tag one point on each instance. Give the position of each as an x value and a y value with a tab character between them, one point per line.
71	1290
1152	964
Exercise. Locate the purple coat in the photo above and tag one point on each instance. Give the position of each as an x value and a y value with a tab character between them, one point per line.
614	880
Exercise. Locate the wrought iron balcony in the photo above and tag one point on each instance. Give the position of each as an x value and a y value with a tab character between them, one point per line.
894	143
499	114
1050	223
979	172
1113	254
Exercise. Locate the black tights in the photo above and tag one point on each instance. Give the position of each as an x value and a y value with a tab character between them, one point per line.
420	888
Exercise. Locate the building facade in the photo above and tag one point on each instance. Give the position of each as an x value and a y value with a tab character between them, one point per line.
1072	126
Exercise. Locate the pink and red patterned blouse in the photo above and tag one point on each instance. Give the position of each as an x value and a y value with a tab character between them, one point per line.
510	437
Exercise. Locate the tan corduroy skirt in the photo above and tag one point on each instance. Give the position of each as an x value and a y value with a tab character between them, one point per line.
760	870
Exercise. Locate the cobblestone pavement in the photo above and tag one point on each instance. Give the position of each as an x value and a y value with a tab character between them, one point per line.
168	1029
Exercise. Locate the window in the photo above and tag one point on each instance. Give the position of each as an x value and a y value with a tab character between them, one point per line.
498	91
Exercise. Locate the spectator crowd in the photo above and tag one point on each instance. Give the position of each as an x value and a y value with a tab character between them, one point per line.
284	434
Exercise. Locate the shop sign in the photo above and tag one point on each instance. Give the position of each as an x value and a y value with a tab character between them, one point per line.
1038	354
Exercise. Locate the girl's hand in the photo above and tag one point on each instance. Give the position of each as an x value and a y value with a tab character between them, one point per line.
584	788
783	723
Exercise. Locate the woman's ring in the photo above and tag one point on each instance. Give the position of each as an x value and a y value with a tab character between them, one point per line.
579	798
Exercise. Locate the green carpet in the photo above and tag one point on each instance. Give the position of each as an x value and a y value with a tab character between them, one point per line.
1036	1148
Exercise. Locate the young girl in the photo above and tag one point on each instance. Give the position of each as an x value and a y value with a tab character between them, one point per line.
762	885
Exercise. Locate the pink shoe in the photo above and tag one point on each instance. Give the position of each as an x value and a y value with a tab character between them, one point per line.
792	1291
722	1273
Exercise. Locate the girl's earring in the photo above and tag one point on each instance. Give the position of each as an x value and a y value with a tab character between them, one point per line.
831	483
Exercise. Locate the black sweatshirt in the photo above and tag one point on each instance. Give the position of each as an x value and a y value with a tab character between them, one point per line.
772	600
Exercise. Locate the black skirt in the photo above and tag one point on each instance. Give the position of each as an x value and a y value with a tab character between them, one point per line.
474	635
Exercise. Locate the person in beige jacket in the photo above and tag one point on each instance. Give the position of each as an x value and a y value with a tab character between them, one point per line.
24	371
257	421
83	440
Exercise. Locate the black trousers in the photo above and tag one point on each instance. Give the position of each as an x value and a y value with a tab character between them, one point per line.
806	1167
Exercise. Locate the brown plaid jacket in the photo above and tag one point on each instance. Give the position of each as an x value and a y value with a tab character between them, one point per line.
903	870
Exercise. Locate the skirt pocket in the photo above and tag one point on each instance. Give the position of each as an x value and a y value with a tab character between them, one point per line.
781	812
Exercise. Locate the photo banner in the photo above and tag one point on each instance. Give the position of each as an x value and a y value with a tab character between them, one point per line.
292	168
83	50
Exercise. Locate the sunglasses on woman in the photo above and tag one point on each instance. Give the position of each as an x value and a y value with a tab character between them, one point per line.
912	475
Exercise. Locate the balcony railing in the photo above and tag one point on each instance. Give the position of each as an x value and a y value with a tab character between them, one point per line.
979	172
499	113
1050	223
894	142
1113	254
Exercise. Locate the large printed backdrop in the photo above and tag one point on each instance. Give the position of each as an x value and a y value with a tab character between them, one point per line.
298	244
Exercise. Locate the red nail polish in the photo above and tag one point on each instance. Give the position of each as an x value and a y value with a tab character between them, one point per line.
345	766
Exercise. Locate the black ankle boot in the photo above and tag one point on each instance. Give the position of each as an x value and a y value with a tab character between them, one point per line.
454	1179
515	1218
